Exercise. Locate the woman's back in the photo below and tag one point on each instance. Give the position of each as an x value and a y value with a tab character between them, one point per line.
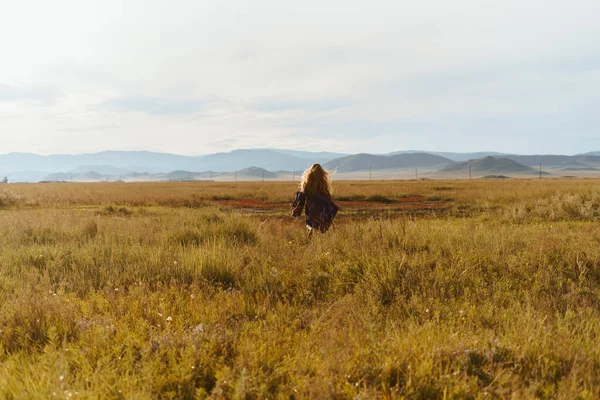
314	197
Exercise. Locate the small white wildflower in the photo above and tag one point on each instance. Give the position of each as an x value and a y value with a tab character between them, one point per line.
199	329
169	318
427	310
60	378
193	367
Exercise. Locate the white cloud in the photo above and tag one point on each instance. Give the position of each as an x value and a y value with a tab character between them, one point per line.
196	77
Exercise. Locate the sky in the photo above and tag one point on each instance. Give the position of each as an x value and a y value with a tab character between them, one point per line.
201	76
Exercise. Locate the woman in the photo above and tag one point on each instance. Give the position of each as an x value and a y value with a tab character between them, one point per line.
314	197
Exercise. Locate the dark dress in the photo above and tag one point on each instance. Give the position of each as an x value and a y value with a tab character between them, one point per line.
320	210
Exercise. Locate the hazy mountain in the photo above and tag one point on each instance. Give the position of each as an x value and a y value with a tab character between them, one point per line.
177	175
555	161
26	167
102	170
124	162
239	159
589	159
68	177
550	160
25	176
158	162
314	157
488	166
452	156
256	172
92	176
573	164
362	162
181	175
580	169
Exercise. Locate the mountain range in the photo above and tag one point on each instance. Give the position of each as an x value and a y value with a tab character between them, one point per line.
360	162
488	166
277	164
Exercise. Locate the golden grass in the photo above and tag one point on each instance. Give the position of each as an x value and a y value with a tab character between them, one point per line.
155	291
196	194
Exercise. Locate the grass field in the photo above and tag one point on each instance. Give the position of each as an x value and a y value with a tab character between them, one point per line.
422	289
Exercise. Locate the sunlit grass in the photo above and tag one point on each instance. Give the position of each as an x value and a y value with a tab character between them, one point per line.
155	291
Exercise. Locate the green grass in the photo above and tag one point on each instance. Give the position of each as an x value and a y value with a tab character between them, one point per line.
131	300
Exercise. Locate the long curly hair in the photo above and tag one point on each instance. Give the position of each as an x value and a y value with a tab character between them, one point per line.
315	180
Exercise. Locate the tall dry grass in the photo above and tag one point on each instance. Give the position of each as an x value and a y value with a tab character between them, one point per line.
129	291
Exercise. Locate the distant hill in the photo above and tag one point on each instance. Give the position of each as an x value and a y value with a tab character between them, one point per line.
177	175
362	162
580	169
488	166
590	159
130	165
67	177
25	176
261	158
102	170
573	164
138	161
30	167
314	157
256	172
555	161
452	156
180	175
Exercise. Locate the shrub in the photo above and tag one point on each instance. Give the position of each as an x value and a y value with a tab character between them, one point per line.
117	211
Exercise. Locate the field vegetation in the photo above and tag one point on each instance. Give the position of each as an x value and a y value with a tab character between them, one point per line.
422	289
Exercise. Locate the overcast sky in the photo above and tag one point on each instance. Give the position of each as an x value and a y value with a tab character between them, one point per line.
202	76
